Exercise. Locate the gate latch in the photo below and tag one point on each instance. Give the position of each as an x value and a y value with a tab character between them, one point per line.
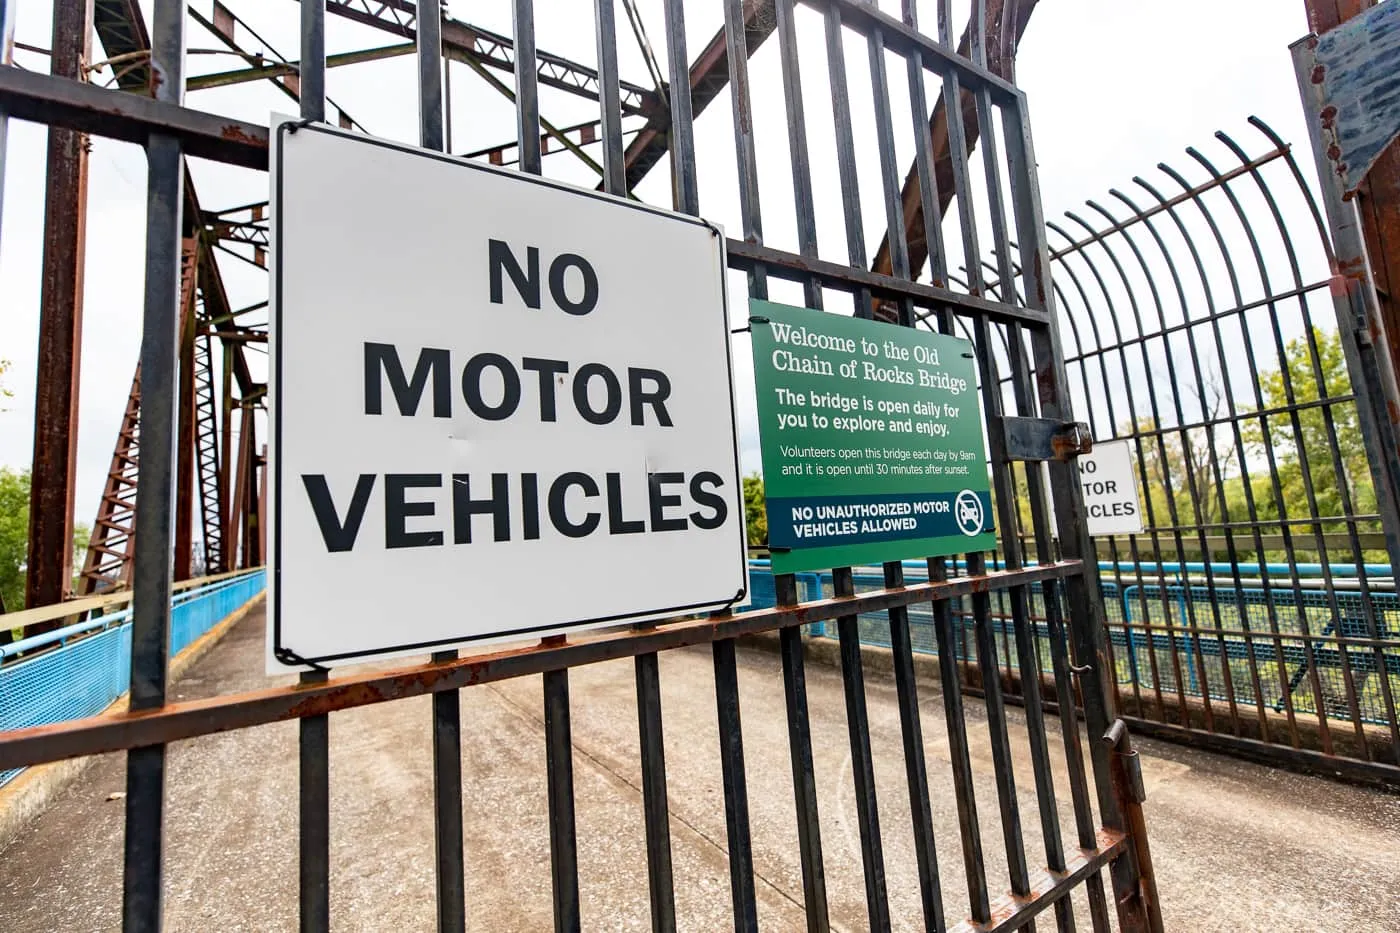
1046	439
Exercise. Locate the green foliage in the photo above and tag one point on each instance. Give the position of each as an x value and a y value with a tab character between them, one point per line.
1309	441
14	535
1299	437
755	510
82	536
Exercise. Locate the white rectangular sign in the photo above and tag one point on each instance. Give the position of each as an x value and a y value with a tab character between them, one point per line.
1110	489
501	407
1109	483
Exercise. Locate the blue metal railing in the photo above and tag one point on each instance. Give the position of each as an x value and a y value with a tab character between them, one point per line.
82	669
1236	629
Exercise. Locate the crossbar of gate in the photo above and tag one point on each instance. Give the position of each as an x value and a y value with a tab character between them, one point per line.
1257	611
994	213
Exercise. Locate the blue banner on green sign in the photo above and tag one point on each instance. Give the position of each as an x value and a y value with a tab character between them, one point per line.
834	521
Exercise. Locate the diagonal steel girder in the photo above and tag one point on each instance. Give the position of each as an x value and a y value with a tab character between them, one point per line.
1007	20
708	76
492	50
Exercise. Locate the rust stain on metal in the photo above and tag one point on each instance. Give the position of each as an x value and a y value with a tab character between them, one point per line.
1045	384
1319	72
236	133
1072	441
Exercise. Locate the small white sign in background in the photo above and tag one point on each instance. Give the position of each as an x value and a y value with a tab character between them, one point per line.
501	407
1109	482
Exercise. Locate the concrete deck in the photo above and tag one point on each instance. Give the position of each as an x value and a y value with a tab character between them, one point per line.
1237	846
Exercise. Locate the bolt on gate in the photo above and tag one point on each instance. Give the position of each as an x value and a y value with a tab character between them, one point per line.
993	210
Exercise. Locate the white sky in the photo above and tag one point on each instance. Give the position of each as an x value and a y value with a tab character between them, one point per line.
1114	87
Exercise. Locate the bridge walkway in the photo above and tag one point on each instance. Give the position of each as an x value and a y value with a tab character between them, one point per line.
1237	846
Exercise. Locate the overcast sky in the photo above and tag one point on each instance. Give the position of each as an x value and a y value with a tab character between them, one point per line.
1114	88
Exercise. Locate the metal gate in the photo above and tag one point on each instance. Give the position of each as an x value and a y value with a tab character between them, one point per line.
994	216
1257	612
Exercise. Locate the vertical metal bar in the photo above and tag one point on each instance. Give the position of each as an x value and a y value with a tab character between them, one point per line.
312	70
314	731
846	153
996	727
49	563
804	785
862	765
785	585
527	94
736	793
658	828
447	714
736	47
685	190
961	760
609	99
889	177
653	752
447	103
915	768
314	810
686	199
151	581
429	53
797	142
559	762
929	200
655	807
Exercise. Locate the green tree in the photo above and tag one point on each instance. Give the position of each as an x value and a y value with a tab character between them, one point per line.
1310	440
755	510
82	536
14	535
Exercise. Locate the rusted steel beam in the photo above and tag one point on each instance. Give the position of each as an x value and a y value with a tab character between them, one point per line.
178	721
62	102
185	439
236	531
49	566
1378	199
121	29
708	77
1007	21
108	561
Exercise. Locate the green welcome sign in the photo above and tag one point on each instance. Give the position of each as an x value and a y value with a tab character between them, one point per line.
872	440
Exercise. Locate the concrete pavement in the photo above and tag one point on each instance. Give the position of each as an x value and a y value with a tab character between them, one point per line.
1237	846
